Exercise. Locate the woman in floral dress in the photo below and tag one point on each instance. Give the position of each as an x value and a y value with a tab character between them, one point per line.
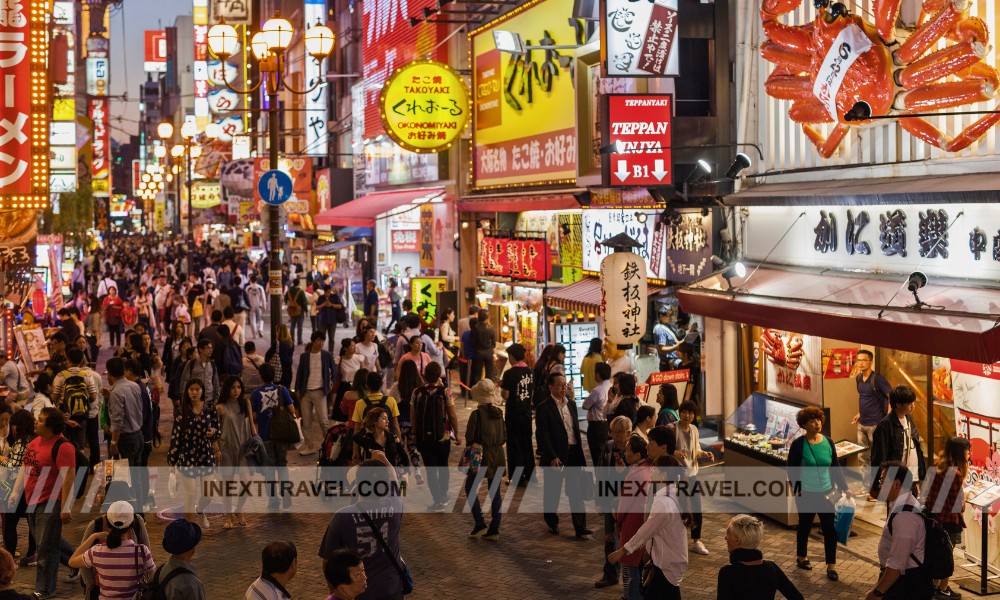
194	446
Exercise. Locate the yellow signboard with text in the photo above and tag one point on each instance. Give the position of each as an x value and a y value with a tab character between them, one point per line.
424	106
423	291
525	105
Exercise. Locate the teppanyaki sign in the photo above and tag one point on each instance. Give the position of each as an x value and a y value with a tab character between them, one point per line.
425	106
639	129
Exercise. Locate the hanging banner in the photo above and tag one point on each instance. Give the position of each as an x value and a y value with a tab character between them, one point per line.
521	260
317	136
425	106
689	247
570	247
602	224
427	236
101	157
640	38
155	54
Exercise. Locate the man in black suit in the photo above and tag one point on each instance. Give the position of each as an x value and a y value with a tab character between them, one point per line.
557	432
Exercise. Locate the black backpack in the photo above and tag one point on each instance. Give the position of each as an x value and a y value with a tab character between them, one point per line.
232	359
369	405
82	464
76	396
427	414
156	589
939	558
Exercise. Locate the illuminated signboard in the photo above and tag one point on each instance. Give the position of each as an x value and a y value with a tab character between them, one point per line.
100	164
525	105
317	136
425	106
640	38
155	51
24	115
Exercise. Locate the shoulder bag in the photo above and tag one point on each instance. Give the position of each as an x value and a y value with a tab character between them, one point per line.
142	591
404	571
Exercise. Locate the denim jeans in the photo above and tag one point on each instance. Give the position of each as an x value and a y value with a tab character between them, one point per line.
632	589
610	545
472	483
130	446
46	525
296	329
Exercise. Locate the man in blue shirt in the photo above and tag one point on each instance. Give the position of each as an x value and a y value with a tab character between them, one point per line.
263	401
371	302
873	405
666	340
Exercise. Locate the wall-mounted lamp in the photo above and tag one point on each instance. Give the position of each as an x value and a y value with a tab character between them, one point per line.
741	162
640	217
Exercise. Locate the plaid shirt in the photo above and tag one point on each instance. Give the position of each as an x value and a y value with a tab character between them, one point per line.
949	511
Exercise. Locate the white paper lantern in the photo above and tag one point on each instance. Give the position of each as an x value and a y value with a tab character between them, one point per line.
623	297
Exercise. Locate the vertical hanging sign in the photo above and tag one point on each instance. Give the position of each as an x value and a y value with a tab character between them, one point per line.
200	17
100	163
317	137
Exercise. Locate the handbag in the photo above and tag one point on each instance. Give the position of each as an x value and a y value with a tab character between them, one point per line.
404	571
142	591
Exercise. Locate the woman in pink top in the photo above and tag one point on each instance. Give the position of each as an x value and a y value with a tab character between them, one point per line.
422	359
118	562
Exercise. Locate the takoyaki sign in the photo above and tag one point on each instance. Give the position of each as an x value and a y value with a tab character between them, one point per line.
640	38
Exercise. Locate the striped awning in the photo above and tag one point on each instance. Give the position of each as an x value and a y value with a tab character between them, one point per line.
584	296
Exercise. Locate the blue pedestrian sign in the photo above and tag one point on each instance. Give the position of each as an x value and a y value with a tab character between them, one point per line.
275	187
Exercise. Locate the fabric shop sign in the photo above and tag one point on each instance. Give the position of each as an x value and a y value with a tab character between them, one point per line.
425	106
639	126
525	105
601	224
640	38
520	260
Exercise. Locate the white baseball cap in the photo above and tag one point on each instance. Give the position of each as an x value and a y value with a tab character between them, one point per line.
121	514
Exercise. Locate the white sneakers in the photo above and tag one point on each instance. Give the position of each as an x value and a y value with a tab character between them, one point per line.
699	548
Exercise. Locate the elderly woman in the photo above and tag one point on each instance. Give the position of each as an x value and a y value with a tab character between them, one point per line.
487	432
612	466
748	576
812	462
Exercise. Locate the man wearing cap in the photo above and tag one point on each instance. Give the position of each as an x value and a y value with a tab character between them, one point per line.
666	339
178	577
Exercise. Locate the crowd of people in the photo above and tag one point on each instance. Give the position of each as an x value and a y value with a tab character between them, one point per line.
184	326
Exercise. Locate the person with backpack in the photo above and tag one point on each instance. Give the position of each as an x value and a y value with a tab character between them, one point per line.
202	368
313	381
295	300
371	397
433	418
177	578
75	390
41	478
119	562
946	498
232	357
264	401
873	405
116	491
905	549
486	433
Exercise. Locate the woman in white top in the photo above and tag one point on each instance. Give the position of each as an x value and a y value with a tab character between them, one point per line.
43	393
348	364
367	347
688	452
662	535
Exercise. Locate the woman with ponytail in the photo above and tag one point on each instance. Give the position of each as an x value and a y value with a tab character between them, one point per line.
119	562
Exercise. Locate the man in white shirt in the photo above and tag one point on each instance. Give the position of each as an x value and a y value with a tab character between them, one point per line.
463	323
597	423
257	296
106	284
901	547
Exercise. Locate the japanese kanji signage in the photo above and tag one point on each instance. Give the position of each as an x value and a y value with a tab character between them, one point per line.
946	240
233	11
623	297
689	246
425	106
521	260
525	105
639	128
100	164
427	236
794	365
405	240
24	143
601	224
200	71
640	38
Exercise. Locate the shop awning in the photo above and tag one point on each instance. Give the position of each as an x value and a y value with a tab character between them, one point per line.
335	246
930	189
510	204
363	211
961	321
584	296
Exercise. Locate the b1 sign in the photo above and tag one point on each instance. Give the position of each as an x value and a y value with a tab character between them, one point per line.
640	38
639	130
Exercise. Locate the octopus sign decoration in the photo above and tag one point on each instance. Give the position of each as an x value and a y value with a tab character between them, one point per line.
840	69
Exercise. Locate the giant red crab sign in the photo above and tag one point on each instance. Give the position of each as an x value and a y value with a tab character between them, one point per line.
840	69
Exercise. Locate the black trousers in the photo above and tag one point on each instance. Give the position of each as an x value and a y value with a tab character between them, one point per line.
810	505
912	585
435	455
520	451
661	589
94	440
10	521
597	434
555	481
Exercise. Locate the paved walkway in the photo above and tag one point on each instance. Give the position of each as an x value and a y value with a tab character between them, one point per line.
526	562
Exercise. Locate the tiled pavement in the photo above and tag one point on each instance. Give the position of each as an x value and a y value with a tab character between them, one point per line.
527	561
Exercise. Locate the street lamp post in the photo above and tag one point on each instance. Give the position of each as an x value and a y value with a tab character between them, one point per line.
268	47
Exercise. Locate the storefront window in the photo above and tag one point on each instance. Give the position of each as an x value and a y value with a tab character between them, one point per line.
915	370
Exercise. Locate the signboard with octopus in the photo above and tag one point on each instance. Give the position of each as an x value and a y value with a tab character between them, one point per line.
842	71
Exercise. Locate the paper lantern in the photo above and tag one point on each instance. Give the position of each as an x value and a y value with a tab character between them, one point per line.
623	297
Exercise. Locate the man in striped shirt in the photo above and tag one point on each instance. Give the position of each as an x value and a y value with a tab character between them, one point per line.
279	563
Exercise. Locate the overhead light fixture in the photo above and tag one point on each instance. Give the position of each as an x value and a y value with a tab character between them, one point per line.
701	170
741	162
861	111
640	217
737	269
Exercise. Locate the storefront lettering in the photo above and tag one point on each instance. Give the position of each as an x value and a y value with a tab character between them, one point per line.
630	294
523	73
933	235
826	233
793	379
892	232
977	243
854	227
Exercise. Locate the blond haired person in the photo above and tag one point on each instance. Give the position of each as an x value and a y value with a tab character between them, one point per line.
748	576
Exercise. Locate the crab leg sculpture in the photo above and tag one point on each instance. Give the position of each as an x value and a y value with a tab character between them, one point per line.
890	78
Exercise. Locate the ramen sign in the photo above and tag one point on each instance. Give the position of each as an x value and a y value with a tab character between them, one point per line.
425	106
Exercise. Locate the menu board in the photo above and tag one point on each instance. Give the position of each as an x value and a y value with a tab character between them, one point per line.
575	337
31	342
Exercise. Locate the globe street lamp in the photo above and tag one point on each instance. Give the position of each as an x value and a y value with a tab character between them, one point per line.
268	47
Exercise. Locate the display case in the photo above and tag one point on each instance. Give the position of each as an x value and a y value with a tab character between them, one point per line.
763	427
